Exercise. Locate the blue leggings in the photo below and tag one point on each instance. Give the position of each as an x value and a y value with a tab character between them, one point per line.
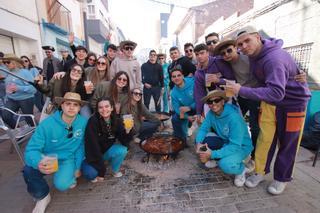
232	164
115	155
62	179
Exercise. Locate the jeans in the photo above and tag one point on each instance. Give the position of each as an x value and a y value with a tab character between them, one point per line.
147	129
115	155
253	107
85	111
155	93
38	100
38	187
26	107
231	164
165	99
180	126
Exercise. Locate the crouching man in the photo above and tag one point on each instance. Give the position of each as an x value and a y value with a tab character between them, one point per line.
232	143
56	148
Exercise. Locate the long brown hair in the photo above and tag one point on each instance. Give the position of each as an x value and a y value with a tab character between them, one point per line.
94	73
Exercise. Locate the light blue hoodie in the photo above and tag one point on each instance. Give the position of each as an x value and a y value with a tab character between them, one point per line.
25	90
50	137
183	96
231	128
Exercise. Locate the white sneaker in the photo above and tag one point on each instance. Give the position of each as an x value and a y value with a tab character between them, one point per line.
240	179
94	180
137	140
190	132
254	180
42	204
117	174
73	185
211	164
276	187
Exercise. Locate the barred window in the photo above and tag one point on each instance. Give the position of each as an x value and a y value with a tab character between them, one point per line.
301	53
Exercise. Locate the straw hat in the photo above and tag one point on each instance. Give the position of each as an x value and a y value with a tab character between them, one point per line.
70	96
223	44
215	93
129	43
12	57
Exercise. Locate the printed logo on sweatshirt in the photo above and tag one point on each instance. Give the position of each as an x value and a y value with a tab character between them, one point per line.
225	131
78	133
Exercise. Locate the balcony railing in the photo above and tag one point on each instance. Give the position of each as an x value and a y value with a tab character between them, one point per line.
59	15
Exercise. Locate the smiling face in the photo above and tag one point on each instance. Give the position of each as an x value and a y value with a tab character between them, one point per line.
76	73
128	51
137	95
81	55
177	78
102	64
122	81
216	104
105	109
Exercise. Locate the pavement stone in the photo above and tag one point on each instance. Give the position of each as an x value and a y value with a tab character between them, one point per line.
173	186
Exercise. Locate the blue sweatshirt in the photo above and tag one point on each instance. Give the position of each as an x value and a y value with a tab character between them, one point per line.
230	127
50	137
183	96
275	69
25	90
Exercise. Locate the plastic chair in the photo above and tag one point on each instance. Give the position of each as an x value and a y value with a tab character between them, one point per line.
19	134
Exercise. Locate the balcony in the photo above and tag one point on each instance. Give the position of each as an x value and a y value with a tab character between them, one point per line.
96	30
59	15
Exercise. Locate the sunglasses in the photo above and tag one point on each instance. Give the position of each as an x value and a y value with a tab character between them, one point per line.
6	62
47	52
91	59
101	63
227	51
122	79
188	51
176	76
26	61
70	131
128	48
76	70
161	58
212	42
210	101
137	93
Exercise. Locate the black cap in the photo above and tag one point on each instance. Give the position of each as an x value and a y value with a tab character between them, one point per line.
80	47
48	48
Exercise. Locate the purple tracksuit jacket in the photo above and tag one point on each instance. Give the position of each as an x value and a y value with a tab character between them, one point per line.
275	70
215	65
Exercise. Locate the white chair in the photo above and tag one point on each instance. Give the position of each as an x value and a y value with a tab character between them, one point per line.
18	135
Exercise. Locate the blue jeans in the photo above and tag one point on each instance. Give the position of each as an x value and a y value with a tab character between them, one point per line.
231	164
115	155
165	99
26	107
147	129
62	179
155	93
180	126
38	100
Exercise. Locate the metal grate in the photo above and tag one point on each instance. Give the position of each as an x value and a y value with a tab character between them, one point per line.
301	54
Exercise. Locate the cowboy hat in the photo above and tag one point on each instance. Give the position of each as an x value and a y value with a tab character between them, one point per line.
70	96
12	57
129	43
215	93
223	44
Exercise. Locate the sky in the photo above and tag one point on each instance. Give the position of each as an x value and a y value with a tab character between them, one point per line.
139	19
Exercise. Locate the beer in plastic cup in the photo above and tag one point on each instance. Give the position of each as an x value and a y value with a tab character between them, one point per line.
203	149
208	83
87	85
128	122
51	159
229	92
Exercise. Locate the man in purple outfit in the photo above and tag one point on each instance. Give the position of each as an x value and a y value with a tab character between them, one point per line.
283	105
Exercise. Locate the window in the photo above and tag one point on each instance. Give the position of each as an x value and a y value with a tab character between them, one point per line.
91	9
301	53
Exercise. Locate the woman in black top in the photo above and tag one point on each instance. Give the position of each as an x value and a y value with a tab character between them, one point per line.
102	131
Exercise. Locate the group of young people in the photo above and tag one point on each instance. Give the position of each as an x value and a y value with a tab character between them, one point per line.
88	108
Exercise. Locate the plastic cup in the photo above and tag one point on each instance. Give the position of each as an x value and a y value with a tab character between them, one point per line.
203	149
229	91
51	159
87	85
128	122
208	83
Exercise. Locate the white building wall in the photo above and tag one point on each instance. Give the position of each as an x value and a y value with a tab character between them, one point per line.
20	22
95	47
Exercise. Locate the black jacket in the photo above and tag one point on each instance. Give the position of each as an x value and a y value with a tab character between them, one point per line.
99	137
183	63
68	64
152	74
